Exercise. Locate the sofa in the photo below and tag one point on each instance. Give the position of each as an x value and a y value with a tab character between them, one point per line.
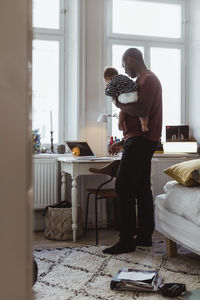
177	211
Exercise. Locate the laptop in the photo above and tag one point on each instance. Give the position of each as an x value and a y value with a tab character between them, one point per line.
80	150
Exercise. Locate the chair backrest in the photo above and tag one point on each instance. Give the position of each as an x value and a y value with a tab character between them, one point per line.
111	169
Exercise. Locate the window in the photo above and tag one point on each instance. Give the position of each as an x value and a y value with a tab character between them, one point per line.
48	67
157	29
147	18
46	14
166	64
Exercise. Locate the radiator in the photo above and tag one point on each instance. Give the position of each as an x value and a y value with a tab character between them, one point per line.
45	182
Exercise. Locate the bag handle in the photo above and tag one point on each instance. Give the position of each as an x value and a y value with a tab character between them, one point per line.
62	204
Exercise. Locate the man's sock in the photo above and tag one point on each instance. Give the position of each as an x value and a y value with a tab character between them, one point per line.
121	247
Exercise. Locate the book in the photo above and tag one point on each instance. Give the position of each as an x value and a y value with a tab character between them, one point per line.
136	280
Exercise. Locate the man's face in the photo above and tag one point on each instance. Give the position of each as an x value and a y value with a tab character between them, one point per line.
129	67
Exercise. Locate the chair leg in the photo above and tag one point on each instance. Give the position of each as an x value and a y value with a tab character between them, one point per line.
87	207
97	240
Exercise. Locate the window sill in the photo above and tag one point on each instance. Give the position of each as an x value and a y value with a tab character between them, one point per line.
176	155
49	155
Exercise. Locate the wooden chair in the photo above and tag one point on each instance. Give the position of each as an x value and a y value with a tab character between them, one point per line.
100	192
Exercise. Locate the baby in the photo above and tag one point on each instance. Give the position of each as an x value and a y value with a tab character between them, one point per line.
126	91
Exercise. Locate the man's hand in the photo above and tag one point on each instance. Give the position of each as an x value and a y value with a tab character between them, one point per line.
115	148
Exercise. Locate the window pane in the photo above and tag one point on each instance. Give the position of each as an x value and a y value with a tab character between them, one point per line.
46	13
166	64
147	18
117	53
45	87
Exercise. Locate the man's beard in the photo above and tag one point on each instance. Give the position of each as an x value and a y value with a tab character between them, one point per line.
133	75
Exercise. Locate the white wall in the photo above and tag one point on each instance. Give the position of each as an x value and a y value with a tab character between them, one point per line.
15	151
72	63
194	67
95	133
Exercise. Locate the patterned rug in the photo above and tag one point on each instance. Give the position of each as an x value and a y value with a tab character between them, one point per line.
84	273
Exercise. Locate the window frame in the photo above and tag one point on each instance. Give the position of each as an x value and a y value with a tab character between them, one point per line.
57	35
144	37
147	42
61	31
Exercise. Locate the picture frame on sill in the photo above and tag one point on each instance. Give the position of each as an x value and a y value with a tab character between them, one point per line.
177	133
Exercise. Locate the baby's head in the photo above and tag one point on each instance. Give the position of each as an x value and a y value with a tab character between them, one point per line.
109	74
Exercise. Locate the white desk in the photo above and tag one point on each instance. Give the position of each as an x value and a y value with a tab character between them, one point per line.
76	168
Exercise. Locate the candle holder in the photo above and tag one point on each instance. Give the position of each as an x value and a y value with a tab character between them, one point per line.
52	147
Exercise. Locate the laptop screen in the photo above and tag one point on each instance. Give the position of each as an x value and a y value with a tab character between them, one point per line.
79	148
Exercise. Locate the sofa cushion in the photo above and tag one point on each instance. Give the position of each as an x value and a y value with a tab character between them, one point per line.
185	202
196	174
182	172
169	185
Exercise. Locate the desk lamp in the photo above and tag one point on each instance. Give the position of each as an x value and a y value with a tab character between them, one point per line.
103	118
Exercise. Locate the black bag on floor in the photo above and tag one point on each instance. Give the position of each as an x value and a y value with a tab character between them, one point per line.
58	222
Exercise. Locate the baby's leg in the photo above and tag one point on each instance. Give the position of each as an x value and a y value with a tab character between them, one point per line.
144	123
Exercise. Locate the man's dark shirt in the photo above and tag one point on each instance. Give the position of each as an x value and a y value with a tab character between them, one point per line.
149	104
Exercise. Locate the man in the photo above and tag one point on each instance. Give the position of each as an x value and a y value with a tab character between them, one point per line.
133	179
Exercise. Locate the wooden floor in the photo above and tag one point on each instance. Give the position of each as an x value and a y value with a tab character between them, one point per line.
106	237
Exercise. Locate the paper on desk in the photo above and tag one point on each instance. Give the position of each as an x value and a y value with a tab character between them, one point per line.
137	276
96	158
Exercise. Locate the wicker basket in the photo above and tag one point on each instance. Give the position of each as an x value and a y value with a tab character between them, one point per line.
58	224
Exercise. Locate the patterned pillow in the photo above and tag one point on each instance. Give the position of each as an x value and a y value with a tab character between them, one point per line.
182	172
196	174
